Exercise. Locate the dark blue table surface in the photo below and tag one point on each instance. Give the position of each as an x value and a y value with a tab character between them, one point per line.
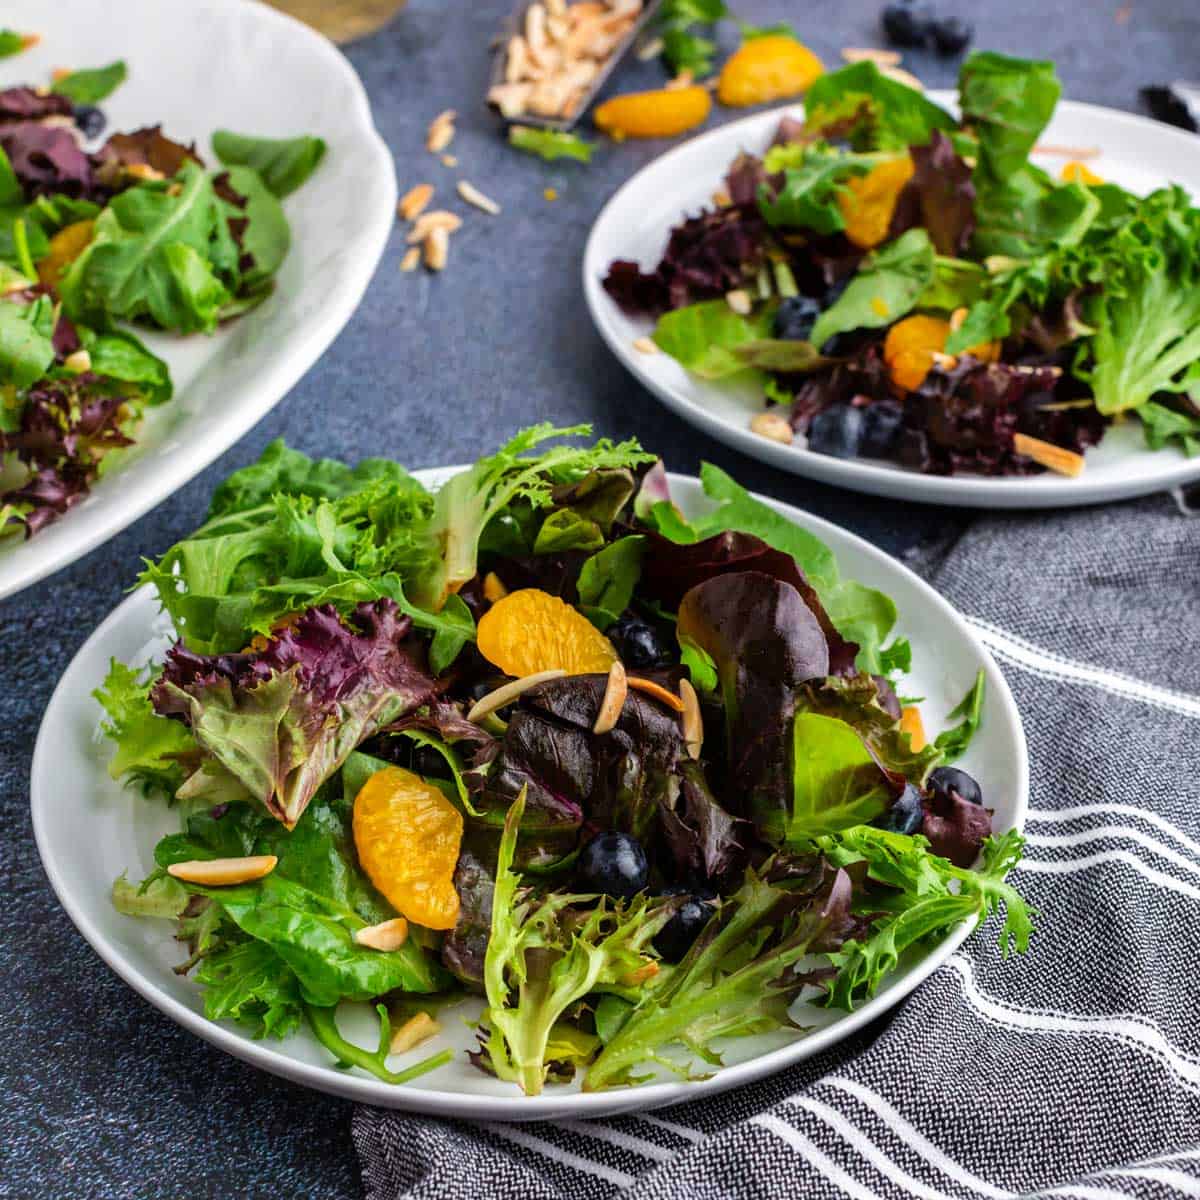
103	1096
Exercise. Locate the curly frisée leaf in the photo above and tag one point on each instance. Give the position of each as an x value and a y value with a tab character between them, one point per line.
922	896
544	954
741	974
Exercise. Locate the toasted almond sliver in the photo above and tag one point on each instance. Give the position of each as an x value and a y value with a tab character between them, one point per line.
645	345
414	202
900	75
512	99
1068	151
774	426
660	693
885	58
78	362
615	692
493	587
556	8
693	721
413	1032
911	723
411	259
437	247
440	136
1065	462
739	301
946	362
224	872
535	27
508	692
387	935
29	40
516	61
650	49
426	223
957	317
449	160
144	171
472	195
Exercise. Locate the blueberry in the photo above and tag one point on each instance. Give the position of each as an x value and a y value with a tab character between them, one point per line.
833	293
881	428
430	763
951	35
639	644
90	119
836	430
907	24
795	318
613	864
675	938
946	781
906	814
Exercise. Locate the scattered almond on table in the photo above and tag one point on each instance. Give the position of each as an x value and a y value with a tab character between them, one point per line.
441	131
552	63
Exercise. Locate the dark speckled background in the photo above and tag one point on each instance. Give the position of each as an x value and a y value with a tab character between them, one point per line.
102	1096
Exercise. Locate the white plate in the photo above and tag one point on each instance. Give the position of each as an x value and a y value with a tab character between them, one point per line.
196	66
89	830
1137	153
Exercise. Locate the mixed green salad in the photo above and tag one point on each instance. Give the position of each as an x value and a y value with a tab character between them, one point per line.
134	231
908	285
639	779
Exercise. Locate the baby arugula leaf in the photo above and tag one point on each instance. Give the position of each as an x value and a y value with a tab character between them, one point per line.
608	578
953	743
283	164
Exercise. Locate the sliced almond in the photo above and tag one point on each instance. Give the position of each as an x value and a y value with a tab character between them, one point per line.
413	1032
1046	454
557	29
535	27
472	195
556	8
511	99
414	202
548	97
411	259
773	425
693	721
900	75
440	136
29	40
645	345
387	935
957	317
911	723
885	58
517	61
224	872
586	10
437	247
508	692
493	587
615	692
660	693
78	362
438	219
739	300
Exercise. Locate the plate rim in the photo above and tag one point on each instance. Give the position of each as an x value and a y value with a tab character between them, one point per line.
965	491
328	1079
20	566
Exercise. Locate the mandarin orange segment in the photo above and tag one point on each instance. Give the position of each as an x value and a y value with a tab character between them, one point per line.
408	835
530	631
1078	172
767	68
661	113
910	346
65	247
869	201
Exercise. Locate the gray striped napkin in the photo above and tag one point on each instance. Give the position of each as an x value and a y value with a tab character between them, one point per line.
1071	1072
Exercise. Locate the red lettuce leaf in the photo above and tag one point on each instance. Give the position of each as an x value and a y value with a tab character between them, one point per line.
26	104
47	160
283	718
939	197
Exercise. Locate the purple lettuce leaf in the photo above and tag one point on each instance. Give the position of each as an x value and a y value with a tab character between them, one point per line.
765	642
284	718
705	841
47	160
27	104
939	197
955	827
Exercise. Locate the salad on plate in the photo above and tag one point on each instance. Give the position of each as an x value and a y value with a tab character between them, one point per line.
96	237
906	285
639	781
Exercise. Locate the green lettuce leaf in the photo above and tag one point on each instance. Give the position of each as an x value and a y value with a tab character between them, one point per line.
283	164
1007	102
1162	425
247	982
886	287
608	578
551	144
91	86
704	337
26	349
953	743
